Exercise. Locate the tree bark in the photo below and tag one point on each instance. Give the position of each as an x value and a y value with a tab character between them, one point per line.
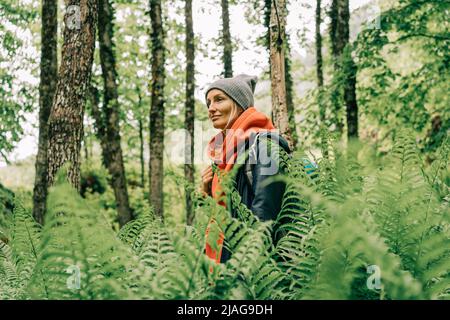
339	29
85	146
267	14
288	77
350	97
109	135
189	170
47	88
319	74
290	90
156	167
277	71
319	59
141	142
343	62
227	44
337	34
65	126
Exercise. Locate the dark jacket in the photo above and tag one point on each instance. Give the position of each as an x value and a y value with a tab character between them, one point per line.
260	195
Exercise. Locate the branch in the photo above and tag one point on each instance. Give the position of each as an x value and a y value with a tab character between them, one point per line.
419	3
279	39
5	158
436	37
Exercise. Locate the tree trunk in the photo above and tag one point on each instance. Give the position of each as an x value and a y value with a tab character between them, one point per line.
47	88
337	36
267	14
227	44
65	126
156	167
339	30
290	95
319	73
350	96
85	146
336	50
319	59
277	71
109	135
288	77
189	170
343	62
141	143
290	91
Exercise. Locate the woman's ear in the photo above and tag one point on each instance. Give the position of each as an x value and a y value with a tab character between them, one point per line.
239	109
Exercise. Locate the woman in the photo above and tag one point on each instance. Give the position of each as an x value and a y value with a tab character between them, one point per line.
231	109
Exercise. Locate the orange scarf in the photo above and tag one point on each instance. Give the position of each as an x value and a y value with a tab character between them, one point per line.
223	150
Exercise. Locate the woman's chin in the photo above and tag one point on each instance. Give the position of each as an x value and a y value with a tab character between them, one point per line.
218	125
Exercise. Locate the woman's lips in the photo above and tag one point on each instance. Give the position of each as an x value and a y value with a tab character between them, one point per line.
215	118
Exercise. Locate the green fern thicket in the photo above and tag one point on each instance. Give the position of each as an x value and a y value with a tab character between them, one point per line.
354	212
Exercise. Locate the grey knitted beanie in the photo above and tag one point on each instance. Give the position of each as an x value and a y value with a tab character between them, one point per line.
240	88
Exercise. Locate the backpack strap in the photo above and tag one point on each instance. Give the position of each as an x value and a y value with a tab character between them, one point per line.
249	173
310	166
253	154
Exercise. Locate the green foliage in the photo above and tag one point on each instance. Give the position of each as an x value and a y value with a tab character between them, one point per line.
353	213
76	238
18	95
6	209
339	221
387	224
402	78
19	253
411	92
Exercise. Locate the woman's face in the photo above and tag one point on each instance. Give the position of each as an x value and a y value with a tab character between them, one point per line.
222	110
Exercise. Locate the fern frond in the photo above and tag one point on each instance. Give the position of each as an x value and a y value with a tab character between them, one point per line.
26	234
76	238
10	283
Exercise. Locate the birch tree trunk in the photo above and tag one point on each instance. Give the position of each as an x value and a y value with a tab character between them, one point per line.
66	118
